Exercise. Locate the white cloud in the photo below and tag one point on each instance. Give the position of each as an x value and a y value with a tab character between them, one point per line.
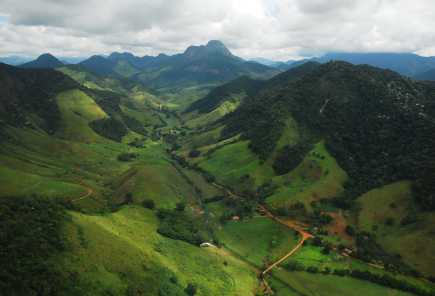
278	29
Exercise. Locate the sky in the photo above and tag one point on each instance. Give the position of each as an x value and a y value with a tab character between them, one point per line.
274	29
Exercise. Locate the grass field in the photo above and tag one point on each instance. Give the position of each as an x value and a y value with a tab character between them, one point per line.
259	240
114	253
233	161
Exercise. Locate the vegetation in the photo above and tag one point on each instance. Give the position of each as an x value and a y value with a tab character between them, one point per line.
31	238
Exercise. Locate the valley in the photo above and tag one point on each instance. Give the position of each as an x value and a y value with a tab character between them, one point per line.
111	180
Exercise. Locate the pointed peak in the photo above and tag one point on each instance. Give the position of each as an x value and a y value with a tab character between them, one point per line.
45	60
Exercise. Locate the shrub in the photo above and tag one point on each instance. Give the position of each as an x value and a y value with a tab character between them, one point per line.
127	156
180	206
194	153
190	289
350	230
149	204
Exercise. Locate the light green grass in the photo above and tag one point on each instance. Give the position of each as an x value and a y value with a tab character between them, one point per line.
16	183
233	161
78	110
258	240
110	253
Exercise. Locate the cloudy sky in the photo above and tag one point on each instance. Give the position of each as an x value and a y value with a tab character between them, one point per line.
277	29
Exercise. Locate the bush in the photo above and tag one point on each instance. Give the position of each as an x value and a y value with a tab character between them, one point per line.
127	156
350	230
149	204
190	289
178	225
194	153
180	206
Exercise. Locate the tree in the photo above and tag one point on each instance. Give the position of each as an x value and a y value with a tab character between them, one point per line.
190	289
350	230
180	206
194	153
149	204
129	198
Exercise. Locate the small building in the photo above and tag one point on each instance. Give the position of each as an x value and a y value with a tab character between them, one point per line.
235	218
207	245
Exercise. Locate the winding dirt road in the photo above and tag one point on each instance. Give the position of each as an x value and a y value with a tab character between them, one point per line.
299	227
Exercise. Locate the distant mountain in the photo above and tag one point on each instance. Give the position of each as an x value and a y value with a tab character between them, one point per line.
408	64
274	64
427	75
15	60
404	63
212	63
45	61
99	65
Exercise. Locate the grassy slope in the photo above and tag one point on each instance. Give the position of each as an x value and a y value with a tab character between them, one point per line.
78	110
233	161
113	252
314	178
413	242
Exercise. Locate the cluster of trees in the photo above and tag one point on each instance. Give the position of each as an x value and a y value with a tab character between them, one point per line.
31	237
177	224
289	157
109	128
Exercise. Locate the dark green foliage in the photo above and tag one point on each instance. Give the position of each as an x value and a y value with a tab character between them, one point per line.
369	250
190	289
134	124
179	225
180	206
27	92
350	230
377	124
288	158
109	128
30	237
194	153
138	143
128	199
127	156
149	204
409	219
